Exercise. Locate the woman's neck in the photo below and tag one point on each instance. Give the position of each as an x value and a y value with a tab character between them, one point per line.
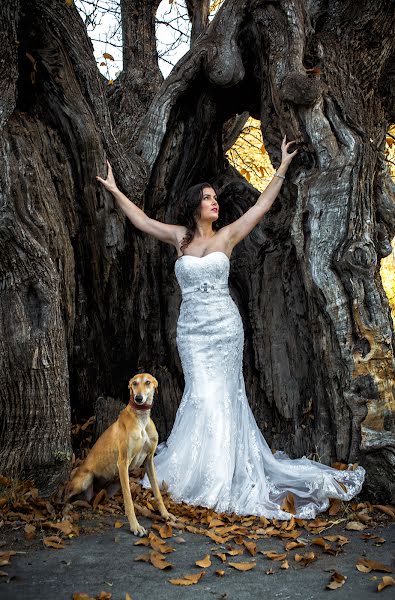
204	231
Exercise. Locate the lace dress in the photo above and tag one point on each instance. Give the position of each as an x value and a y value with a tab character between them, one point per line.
216	455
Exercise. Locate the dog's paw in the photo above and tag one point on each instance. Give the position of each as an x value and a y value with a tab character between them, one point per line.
169	517
138	530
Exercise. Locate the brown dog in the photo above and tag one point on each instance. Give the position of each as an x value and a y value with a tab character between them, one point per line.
130	442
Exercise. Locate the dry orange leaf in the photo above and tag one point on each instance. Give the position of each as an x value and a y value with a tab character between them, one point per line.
337	580
373	565
143	557
188	579
159	561
363	569
289	503
204	562
322	543
220	555
78	596
5	557
166	531
292	545
107	55
388	510
306	558
220	572
355	526
242	566
128	597
53	541
65	527
144	541
335	507
216	523
235	552
118	524
386	581
103	596
340	539
30	531
251	547
284	565
273	555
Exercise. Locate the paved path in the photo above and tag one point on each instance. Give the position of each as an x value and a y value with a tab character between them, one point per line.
104	561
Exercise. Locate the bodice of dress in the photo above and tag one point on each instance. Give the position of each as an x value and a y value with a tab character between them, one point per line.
195	271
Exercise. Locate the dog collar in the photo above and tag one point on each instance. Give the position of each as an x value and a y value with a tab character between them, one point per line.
133	404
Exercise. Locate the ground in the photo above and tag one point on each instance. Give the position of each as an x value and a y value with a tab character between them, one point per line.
95	554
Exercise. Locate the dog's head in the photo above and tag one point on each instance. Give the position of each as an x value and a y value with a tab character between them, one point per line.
142	389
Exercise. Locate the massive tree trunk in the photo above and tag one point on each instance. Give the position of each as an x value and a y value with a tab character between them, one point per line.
87	300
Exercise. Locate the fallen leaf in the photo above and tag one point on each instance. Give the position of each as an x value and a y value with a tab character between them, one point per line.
143	557
5	557
118	524
386	581
53	541
103	596
3	574
288	504
82	596
292	545
188	579
204	562
273	555
251	547
107	55
235	552
220	572
128	597
144	541
242	566
337	580
363	569
355	526
388	510
335	507
306	558
30	531
322	543
166	531
284	565
340	539
159	561
221	556
216	523
372	565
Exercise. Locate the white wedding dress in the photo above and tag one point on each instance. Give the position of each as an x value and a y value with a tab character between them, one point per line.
216	455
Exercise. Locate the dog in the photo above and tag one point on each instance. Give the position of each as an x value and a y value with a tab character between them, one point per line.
128	443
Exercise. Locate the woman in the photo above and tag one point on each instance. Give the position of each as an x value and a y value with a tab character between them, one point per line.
216	455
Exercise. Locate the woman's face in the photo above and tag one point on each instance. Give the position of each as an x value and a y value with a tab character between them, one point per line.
209	209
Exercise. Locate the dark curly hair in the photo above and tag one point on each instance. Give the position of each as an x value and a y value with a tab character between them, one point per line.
189	211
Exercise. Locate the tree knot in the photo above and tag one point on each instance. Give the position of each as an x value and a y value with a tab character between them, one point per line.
300	89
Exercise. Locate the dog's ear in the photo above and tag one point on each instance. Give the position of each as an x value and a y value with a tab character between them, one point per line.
130	383
155	383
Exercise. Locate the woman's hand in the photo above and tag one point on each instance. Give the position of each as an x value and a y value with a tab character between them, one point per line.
286	157
109	182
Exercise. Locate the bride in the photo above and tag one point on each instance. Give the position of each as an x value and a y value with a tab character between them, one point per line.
216	455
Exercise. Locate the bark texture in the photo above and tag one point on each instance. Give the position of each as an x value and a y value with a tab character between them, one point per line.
86	300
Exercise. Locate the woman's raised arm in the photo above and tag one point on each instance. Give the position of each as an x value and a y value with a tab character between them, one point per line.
171	234
239	229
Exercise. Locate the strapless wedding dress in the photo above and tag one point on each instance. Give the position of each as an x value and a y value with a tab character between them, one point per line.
216	455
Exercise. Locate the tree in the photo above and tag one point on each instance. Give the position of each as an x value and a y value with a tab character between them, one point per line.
86	300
